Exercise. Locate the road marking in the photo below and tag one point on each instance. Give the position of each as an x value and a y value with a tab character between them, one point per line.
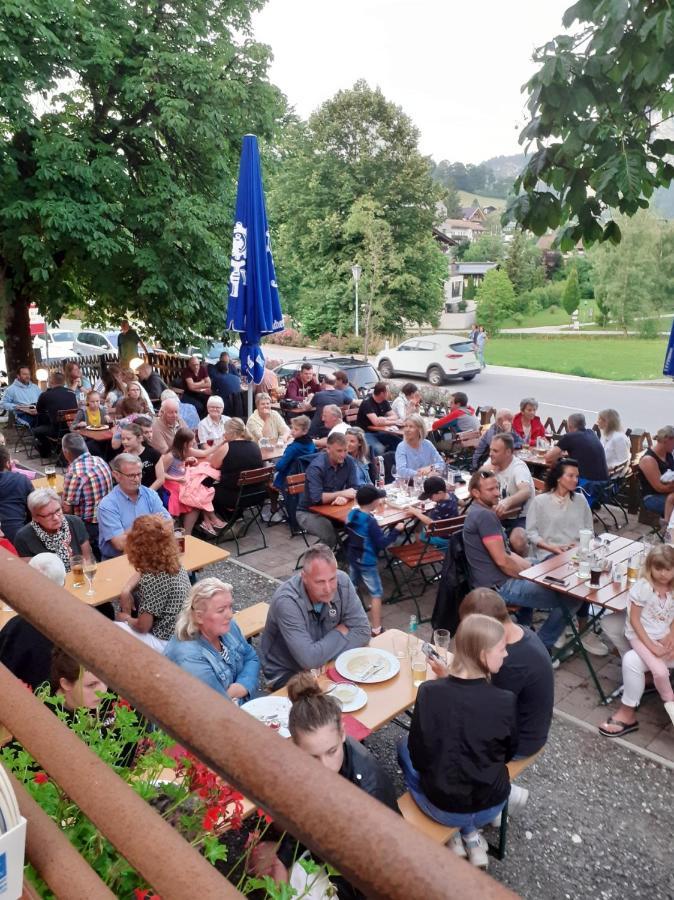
567	406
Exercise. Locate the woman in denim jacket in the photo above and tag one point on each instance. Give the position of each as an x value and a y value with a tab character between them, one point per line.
209	644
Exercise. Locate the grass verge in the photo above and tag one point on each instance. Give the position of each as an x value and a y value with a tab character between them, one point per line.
614	358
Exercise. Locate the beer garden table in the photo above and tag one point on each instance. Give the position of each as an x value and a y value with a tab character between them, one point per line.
608	596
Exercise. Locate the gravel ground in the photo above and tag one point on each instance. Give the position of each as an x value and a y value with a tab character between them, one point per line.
600	818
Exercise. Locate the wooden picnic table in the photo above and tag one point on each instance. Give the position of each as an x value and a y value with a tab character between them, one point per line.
96	434
387	699
112	574
252	620
270	454
338	513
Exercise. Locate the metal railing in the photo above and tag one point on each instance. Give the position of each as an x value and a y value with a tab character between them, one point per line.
371	846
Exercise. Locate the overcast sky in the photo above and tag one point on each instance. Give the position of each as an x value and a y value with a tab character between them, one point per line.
455	66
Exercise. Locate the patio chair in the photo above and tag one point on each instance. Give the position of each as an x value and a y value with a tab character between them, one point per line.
64	420
24	439
610	496
419	564
253	493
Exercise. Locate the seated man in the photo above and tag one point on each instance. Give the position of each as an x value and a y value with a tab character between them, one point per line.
376	412
56	399
460	417
226	383
119	509
515	482
21	397
313	617
196	384
87	480
151	381
583	445
342	384
503	424
302	387
329	396
15	489
167	422
330	478
492	563
332	422
658	495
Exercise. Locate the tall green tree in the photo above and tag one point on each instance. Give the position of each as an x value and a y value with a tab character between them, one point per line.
524	263
495	299
596	104
356	145
452	201
571	295
121	130
487	248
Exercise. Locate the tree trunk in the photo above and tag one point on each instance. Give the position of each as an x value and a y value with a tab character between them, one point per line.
18	342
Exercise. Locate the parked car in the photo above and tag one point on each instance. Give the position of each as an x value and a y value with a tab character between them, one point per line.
57	343
211	351
95	343
362	376
436	357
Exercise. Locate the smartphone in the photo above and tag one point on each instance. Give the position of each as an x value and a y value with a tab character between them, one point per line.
553	580
429	651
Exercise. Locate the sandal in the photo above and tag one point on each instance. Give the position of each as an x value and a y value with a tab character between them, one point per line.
207	529
624	728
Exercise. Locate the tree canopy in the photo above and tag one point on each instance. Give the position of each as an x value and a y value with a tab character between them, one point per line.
121	126
597	104
357	146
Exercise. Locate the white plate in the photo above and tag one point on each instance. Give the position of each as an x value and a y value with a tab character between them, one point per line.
352	664
349	696
270	709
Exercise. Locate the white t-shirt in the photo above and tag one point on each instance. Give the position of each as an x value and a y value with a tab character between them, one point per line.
511	478
210	430
657	613
399	407
617	449
339	428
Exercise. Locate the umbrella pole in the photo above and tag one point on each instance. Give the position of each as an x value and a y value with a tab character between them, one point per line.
250	398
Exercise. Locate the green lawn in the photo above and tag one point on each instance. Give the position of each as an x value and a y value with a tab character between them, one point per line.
555	315
466	199
617	359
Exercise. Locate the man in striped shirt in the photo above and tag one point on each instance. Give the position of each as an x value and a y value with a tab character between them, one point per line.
87	480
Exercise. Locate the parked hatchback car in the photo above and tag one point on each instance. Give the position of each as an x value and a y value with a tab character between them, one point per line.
58	344
436	357
362	376
95	343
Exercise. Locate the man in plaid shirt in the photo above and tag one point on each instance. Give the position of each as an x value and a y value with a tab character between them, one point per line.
87	480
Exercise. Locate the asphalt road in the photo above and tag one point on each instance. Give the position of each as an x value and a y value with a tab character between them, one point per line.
640	405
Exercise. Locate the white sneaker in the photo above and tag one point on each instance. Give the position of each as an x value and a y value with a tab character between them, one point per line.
593	644
477	852
561	641
456	845
669	706
517	799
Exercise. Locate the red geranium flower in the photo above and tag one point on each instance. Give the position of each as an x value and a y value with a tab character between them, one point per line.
41	778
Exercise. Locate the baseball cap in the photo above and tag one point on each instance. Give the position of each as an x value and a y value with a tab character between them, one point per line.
368	493
432	485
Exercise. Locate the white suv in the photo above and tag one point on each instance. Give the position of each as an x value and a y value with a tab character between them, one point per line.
436	357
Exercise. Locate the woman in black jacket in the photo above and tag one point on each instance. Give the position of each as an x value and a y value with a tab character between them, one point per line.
315	725
463	732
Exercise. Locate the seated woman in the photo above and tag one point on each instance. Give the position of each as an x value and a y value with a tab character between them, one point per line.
136	391
407	402
556	516
301	445
267	422
414	454
132	440
527	424
211	430
209	644
479	737
158	587
615	442
76	382
178	463
359	450
236	455
658	495
315	725
50	530
111	385
79	688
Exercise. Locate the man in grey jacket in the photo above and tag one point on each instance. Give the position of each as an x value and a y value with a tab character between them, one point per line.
313	617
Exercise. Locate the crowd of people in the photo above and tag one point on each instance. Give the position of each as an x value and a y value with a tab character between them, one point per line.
181	464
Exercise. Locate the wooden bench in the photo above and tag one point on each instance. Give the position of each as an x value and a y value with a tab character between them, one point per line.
252	620
442	833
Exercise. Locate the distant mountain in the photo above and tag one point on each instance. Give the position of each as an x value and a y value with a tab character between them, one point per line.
506	166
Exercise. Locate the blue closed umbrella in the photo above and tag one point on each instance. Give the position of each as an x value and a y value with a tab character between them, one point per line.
254	307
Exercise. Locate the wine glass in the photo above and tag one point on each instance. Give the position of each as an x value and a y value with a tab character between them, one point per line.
90	568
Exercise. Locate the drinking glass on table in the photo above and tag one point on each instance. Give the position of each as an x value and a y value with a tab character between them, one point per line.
441	642
50	473
90	567
77	570
418	668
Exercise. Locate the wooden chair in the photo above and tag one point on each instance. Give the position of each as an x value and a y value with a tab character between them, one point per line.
253	493
409	562
64	421
539	485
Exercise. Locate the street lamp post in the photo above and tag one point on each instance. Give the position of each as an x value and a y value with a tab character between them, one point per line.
356	271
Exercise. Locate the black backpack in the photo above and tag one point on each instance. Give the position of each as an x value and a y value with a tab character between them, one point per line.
453	586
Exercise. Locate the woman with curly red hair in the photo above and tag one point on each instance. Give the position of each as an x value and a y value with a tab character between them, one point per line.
158	587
